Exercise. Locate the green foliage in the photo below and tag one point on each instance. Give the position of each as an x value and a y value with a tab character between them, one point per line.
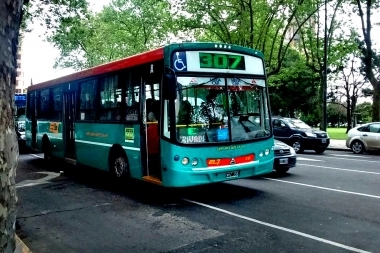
365	112
266	26
293	90
124	28
336	114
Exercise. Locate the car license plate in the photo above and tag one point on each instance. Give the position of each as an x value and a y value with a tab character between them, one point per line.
232	174
284	161
324	140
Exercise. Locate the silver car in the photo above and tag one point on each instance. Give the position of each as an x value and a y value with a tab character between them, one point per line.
364	138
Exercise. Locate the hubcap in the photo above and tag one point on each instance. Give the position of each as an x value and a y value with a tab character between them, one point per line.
119	166
357	147
297	146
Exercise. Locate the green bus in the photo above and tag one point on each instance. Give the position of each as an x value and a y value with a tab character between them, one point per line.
181	115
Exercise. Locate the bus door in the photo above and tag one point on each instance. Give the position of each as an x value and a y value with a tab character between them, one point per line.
151	134
68	131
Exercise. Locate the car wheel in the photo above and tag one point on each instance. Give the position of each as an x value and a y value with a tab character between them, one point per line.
297	146
281	170
319	150
357	147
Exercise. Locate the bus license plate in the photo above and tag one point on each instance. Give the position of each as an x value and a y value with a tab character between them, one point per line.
324	140
284	161
232	174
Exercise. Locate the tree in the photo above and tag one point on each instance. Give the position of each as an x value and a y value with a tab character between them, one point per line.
10	22
293	90
10	19
124	28
370	60
365	112
353	83
267	26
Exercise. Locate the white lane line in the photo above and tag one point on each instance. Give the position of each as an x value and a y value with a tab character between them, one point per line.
356	156
36	156
308	159
347	159
339	245
332	168
324	188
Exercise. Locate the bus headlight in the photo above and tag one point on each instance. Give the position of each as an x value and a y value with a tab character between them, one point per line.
185	161
261	153
267	151
194	162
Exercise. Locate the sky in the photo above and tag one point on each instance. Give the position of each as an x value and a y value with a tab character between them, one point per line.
38	55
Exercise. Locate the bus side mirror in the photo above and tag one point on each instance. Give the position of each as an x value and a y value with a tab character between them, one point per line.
169	86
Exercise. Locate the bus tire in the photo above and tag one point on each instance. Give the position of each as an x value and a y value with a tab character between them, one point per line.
46	147
118	165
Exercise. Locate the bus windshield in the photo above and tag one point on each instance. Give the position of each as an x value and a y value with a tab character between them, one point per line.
220	109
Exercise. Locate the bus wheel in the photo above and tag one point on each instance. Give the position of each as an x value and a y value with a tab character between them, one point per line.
119	166
46	148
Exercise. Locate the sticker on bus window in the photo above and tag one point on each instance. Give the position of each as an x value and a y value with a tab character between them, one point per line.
82	116
129	135
131	115
54	127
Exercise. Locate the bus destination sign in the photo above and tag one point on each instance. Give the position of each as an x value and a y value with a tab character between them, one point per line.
221	61
213	61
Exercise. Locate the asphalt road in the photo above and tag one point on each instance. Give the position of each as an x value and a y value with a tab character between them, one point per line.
327	203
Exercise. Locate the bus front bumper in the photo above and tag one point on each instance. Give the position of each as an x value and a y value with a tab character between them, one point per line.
180	178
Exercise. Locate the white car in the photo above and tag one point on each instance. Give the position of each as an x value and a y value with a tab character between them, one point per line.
363	138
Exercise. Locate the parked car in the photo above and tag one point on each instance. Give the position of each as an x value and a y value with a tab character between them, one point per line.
363	138
284	157
299	135
20	131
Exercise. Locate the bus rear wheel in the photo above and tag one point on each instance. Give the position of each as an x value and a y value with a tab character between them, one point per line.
118	166
46	148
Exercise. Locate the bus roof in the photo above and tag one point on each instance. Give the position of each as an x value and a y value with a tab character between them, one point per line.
142	58
135	60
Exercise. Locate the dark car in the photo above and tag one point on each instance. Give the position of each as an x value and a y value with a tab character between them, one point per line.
299	135
284	157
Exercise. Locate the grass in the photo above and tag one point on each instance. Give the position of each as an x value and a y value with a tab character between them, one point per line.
337	133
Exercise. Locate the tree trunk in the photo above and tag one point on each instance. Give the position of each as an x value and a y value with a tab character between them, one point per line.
10	17
376	102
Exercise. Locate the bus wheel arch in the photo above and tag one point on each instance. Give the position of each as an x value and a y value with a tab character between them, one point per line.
46	147
118	164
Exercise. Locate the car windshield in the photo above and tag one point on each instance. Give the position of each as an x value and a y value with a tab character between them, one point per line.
216	109
297	123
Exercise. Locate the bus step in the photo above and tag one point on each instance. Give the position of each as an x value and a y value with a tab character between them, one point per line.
70	161
152	179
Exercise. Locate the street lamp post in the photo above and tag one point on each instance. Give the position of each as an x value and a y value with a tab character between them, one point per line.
324	71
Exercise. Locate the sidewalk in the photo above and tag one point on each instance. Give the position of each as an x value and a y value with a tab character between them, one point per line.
338	145
21	247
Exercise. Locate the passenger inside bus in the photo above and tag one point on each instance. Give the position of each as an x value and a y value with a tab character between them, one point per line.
153	137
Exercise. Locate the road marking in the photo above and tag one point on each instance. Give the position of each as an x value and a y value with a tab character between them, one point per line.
44	180
324	188
339	245
308	159
36	156
347	159
332	168
356	156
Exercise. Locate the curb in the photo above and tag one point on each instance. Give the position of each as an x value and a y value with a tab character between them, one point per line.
20	246
338	149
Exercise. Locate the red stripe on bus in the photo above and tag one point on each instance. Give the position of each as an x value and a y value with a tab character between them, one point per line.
139	59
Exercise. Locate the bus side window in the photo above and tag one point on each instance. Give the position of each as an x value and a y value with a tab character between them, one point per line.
87	99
